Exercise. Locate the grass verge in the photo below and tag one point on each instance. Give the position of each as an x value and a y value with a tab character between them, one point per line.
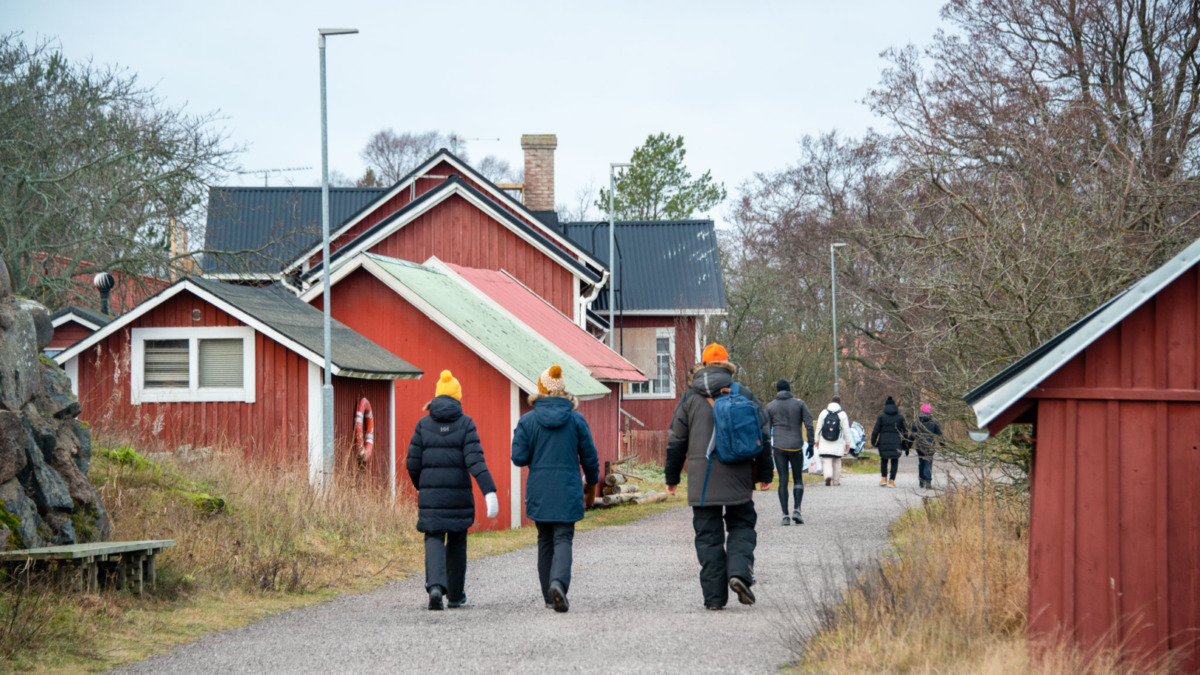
252	541
919	608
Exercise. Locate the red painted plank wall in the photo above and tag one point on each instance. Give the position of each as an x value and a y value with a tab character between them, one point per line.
1115	531
457	232
656	413
603	418
346	394
365	304
274	428
68	334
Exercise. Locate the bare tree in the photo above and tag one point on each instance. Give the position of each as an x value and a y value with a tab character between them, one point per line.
581	209
391	155
499	170
95	170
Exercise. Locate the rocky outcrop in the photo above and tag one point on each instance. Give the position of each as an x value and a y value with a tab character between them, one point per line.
45	496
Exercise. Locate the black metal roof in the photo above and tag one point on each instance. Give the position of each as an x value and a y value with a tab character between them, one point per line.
300	322
85	313
261	229
436	193
670	265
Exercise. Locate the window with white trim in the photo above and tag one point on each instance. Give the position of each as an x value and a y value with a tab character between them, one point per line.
214	363
661	382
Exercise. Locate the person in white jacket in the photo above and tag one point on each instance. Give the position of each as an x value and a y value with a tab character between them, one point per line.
833	441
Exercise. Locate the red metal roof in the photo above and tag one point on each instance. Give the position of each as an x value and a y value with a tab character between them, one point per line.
541	316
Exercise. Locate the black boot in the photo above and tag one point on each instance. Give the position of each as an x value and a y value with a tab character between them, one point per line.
798	495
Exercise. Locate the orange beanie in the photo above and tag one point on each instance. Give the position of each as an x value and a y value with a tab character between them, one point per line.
551	382
714	352
448	386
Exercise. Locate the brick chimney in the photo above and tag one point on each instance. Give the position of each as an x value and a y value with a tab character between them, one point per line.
539	170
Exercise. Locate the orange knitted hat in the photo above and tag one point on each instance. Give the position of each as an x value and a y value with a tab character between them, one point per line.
714	352
448	386
551	382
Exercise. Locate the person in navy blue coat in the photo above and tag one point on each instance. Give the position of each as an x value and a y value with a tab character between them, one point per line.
443	455
554	441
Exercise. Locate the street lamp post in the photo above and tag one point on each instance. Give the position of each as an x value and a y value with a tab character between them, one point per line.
833	297
327	389
612	243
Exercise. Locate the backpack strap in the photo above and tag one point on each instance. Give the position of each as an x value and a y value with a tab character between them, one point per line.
712	443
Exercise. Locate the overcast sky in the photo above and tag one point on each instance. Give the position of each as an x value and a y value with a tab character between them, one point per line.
742	82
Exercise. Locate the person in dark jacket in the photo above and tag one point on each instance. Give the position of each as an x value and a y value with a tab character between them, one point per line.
890	437
554	441
791	442
442	456
721	495
924	435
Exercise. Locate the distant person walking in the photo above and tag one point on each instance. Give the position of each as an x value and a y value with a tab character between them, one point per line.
924	435
890	437
554	441
442	456
833	440
791	441
721	495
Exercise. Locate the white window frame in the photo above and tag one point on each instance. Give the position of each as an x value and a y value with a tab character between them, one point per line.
669	333
139	394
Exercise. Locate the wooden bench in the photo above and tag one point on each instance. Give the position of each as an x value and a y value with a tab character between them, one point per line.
129	559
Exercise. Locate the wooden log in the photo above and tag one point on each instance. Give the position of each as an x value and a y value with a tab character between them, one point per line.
614	479
650	498
612	500
620	489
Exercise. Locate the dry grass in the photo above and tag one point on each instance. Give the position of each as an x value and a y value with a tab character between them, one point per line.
920	607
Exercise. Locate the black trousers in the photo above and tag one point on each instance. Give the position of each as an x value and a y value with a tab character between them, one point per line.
554	555
725	541
795	460
883	467
446	562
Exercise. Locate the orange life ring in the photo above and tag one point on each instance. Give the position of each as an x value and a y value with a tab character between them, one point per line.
364	430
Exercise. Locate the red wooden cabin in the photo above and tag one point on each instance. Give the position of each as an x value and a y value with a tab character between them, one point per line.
205	363
73	323
439	322
1114	403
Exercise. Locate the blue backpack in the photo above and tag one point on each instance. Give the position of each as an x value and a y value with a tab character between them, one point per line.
737	432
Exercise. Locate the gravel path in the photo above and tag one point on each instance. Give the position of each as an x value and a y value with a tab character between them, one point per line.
635	604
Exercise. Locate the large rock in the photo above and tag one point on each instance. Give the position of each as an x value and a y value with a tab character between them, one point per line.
13	438
45	451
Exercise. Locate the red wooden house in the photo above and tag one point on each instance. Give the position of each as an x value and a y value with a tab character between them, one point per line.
205	363
73	323
439	321
1114	403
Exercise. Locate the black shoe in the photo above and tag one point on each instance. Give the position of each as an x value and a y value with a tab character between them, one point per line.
435	597
786	521
745	595
713	608
549	605
796	517
559	596
455	604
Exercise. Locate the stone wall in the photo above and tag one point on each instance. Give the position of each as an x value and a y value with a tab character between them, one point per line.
45	496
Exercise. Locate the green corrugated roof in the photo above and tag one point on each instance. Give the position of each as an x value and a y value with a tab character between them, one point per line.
523	350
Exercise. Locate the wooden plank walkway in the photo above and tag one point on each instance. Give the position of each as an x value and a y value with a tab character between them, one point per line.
131	560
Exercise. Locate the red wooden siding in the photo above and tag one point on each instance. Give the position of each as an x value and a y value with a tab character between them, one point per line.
457	232
273	428
1115	532
68	334
346	394
656	413
602	418
375	311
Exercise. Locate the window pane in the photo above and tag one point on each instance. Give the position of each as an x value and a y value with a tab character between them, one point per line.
662	383
221	363
166	364
639	387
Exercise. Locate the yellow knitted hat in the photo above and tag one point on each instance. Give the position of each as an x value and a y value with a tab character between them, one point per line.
551	382
448	386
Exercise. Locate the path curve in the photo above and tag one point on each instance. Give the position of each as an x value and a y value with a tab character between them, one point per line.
635	604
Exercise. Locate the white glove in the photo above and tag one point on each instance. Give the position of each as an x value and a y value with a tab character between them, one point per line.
493	504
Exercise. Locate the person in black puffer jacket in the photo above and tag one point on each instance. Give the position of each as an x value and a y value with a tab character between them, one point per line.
925	434
443	455
890	437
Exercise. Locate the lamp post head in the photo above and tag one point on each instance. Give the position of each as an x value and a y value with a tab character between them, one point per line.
619	165
979	435
337	31
836	245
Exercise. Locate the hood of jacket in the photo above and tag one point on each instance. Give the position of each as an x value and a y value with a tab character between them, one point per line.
890	408
925	419
552	412
444	408
708	379
783	395
834	408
